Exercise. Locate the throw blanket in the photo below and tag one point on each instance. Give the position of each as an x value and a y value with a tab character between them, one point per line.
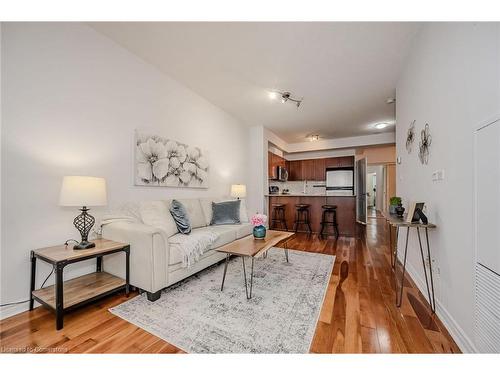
193	245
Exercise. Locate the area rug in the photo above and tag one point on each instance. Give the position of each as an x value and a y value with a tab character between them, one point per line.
281	317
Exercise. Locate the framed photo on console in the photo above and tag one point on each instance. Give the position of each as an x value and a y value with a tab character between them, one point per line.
413	212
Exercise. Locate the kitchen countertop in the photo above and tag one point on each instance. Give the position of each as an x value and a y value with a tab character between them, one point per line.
309	195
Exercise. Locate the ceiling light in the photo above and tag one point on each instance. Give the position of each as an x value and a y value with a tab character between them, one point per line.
285	97
313	137
382	125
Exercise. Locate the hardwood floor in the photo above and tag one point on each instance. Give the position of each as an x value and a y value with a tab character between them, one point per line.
358	315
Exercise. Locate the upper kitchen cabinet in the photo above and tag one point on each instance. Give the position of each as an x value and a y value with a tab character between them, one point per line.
271	170
295	170
273	161
308	170
319	169
340	162
311	170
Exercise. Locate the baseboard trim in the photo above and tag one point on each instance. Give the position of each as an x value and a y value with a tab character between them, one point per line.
8	311
465	344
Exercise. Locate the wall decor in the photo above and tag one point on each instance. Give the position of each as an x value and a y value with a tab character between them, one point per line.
425	143
410	136
161	161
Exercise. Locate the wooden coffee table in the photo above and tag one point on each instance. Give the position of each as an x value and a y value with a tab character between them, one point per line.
254	248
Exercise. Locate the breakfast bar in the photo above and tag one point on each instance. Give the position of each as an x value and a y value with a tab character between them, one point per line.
346	210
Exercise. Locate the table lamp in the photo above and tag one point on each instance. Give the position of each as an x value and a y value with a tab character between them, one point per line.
83	191
238	191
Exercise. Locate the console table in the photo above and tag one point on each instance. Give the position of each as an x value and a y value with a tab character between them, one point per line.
400	222
70	294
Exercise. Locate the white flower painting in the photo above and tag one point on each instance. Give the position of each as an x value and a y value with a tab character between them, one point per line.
164	162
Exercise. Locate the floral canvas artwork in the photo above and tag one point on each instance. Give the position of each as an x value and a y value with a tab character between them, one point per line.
165	162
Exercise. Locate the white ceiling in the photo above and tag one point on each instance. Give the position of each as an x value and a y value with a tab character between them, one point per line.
344	71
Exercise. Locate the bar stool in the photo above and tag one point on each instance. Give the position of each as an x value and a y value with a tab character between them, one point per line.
329	212
302	216
278	216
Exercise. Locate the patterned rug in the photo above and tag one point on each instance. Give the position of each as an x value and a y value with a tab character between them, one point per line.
195	316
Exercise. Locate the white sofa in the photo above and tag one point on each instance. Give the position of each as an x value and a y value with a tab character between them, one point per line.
155	258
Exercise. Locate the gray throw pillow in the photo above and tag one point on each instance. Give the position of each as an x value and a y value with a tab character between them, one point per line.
226	213
181	218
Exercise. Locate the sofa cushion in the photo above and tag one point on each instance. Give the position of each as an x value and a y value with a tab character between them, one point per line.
227	212
226	234
195	212
242	230
157	215
206	205
180	216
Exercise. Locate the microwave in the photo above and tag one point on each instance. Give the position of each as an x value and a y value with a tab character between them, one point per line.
281	173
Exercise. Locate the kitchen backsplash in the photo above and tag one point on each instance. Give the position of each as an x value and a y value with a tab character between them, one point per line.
297	187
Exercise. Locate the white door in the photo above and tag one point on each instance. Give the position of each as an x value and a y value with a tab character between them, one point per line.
488	196
487	224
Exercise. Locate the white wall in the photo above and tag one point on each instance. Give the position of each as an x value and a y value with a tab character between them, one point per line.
71	101
451	81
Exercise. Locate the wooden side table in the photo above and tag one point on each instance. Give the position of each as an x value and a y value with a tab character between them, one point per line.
399	222
70	294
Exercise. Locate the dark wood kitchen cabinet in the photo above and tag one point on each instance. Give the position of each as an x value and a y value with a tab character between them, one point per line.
295	171
308	170
273	161
319	170
339	162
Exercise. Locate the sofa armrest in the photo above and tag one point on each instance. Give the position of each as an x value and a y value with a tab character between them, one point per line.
148	254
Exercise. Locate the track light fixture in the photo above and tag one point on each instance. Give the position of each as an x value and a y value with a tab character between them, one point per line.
285	97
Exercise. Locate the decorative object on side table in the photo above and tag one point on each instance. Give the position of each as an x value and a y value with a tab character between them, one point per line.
259	230
400	210
413	212
83	191
393	203
238	191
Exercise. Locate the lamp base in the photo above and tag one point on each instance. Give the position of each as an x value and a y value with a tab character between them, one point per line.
84	245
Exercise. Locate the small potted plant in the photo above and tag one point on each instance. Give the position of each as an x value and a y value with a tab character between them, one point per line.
259	230
393	203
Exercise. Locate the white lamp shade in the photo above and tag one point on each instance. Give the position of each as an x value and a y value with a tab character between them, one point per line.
238	191
83	191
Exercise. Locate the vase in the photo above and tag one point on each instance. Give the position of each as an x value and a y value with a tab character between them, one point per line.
259	232
400	210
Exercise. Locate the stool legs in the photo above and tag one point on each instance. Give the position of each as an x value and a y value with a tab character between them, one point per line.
302	217
308	221
333	223
283	219
278	216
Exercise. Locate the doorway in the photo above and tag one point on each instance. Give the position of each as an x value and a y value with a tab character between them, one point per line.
376	188
380	187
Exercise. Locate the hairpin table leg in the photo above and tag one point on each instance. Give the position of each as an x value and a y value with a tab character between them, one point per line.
224	274
398	304
430	270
